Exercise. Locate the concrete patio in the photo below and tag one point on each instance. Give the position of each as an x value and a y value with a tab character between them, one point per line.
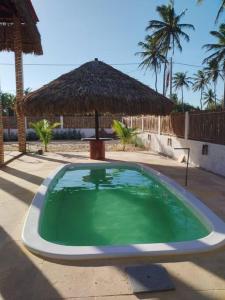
26	276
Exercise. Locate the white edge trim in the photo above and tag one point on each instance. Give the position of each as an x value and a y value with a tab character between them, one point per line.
34	242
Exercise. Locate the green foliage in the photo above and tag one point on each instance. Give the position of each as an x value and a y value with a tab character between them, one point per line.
43	130
124	133
27	91
174	98
217	49
168	31
152	56
181	80
200	82
209	98
8	103
179	107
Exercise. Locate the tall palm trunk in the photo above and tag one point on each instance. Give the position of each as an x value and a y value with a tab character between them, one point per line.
156	79
215	91
164	74
201	98
182	99
19	83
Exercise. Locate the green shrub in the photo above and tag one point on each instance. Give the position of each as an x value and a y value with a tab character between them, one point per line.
124	133
43	130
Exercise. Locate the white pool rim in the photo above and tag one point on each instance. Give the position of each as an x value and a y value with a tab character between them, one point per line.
34	242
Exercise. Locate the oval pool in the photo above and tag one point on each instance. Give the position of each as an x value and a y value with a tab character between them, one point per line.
117	209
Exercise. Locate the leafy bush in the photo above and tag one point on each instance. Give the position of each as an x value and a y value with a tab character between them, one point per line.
43	130
124	133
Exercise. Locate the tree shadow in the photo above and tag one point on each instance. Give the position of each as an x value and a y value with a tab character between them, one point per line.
62	161
20	174
16	190
68	155
19	276
182	291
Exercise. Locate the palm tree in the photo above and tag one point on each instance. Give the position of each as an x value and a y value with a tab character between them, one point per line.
218	55
168	31
8	107
201	81
209	98
181	80
213	73
27	91
152	57
44	131
220	11
124	133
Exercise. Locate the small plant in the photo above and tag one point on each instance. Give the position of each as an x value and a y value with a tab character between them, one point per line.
124	133
43	130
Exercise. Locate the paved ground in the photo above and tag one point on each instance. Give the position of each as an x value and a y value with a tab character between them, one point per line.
26	276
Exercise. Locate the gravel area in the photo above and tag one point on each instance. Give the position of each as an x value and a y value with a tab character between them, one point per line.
69	146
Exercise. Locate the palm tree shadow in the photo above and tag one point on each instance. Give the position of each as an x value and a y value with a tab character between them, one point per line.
19	277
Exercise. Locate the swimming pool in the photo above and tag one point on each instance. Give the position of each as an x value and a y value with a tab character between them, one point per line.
111	210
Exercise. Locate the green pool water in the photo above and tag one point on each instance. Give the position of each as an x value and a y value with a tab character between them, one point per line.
114	206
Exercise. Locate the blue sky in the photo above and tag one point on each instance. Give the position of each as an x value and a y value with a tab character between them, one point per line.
77	31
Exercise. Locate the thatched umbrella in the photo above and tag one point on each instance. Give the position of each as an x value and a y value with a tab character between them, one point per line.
23	11
95	87
98	88
18	33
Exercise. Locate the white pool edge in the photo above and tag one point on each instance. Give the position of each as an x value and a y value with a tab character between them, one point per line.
34	242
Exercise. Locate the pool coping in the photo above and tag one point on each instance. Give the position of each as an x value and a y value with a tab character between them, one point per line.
35	243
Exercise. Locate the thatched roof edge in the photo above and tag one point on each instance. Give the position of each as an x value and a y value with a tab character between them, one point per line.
95	86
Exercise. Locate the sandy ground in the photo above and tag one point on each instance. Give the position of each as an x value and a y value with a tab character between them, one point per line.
26	276
68	146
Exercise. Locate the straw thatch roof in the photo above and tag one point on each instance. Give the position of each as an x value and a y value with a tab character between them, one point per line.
23	9
95	86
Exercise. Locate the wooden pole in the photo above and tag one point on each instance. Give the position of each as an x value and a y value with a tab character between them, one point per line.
19	83
96	125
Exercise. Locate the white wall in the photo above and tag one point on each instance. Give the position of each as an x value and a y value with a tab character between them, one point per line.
214	161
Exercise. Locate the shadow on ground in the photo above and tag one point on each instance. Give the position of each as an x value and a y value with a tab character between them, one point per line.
20	278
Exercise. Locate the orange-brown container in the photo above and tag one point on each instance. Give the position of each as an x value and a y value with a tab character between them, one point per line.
97	149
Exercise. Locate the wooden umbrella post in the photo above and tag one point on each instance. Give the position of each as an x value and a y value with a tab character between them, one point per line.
97	145
96	125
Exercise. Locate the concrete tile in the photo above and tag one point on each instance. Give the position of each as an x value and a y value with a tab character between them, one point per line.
188	274
111	281
71	281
